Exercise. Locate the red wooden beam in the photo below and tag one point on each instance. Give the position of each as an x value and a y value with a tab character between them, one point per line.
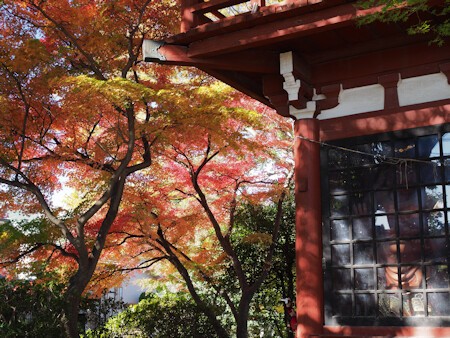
364	68
245	20
282	30
394	119
248	61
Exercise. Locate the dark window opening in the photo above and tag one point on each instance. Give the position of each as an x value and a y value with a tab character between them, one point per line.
386	210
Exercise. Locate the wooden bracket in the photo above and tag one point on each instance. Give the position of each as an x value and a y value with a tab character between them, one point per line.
331	99
390	84
278	97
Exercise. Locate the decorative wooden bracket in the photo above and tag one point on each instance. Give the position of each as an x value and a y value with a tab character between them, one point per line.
296	76
277	96
290	91
310	111
331	100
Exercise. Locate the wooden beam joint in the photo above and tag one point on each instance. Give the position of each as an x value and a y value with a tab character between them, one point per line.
247	61
275	93
296	74
390	84
331	100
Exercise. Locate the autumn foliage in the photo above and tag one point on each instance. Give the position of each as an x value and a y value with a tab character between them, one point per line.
120	162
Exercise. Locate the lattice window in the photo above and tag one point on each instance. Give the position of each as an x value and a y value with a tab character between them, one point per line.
386	228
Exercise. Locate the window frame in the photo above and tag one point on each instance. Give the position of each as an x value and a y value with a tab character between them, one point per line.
328	243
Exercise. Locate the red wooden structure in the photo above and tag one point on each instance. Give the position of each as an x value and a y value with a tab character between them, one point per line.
339	81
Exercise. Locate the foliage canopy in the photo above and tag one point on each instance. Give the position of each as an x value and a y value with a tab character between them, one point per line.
148	152
421	16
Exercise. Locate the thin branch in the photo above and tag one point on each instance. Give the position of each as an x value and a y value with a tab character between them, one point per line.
80	157
187	194
36	247
91	132
59	26
131	37
124	239
143	265
224	241
276	229
31	187
27	112
211	282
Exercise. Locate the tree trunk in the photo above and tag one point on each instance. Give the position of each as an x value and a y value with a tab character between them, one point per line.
71	308
243	313
290	263
72	299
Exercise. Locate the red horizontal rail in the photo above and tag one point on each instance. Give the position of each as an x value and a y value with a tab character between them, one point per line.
194	10
213	5
198	12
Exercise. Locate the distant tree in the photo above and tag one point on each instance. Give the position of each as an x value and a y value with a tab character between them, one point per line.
158	315
250	240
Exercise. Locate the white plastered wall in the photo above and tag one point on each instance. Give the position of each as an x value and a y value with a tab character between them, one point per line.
355	101
421	89
358	100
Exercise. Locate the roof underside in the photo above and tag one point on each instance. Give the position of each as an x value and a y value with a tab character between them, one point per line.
330	48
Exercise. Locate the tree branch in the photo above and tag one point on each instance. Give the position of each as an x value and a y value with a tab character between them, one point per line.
276	229
190	285
131	37
93	65
31	187
36	247
211	282
224	241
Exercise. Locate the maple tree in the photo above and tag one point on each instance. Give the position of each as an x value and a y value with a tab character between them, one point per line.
78	109
73	104
138	143
191	221
181	317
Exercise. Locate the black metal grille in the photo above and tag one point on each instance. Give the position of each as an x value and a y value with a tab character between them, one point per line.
386	210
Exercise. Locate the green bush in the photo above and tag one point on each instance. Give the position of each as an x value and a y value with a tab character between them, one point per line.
30	309
169	315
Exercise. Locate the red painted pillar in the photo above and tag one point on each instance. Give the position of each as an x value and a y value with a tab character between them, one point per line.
308	229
